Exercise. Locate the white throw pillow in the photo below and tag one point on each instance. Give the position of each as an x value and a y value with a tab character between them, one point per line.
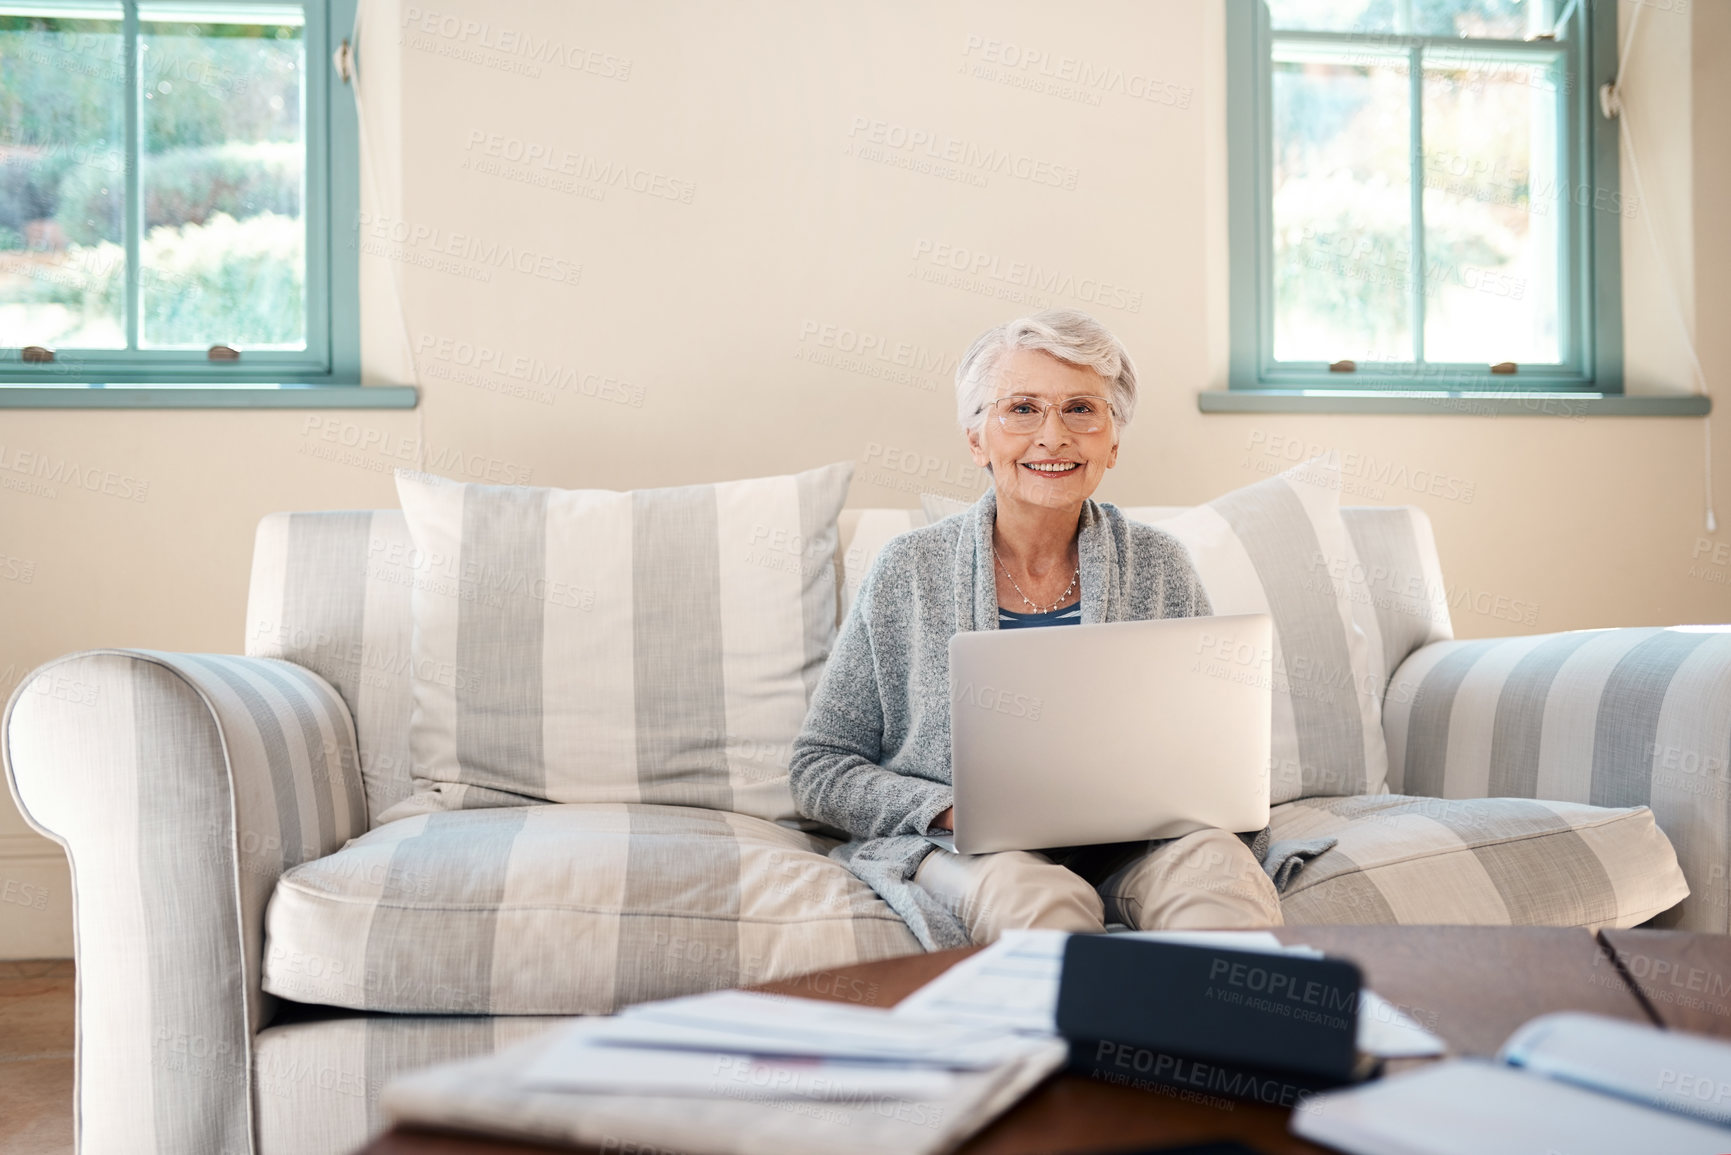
596	646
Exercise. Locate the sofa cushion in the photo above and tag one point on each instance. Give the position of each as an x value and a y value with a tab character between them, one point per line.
652	646
565	909
1478	861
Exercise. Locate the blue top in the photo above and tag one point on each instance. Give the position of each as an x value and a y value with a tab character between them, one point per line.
1070	615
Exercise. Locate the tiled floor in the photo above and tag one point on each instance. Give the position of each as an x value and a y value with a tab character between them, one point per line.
36	1016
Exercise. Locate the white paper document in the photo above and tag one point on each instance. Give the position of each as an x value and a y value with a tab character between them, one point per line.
747	1023
736	1073
1014	984
1011	984
575	1061
1473	1107
1676	1071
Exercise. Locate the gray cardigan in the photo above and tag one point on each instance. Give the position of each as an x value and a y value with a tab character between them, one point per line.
873	758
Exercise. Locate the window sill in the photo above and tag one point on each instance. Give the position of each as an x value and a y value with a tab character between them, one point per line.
1456	404
228	396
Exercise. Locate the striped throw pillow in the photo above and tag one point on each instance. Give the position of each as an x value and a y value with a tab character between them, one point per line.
1280	547
650	646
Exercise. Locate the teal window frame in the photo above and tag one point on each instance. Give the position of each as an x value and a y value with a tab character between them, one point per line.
1592	360
264	378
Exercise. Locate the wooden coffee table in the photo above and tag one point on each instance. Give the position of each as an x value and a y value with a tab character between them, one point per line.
1684	979
1471	986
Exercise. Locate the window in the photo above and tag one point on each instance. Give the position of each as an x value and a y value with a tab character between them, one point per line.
167	193
1424	196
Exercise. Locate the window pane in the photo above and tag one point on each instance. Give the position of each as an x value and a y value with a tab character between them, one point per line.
223	259
1501	19
1330	15
1342	207
1493	211
62	177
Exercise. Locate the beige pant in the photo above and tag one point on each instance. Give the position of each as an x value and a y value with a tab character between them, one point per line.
1205	880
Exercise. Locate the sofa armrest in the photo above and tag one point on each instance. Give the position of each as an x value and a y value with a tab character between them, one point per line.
181	786
1626	717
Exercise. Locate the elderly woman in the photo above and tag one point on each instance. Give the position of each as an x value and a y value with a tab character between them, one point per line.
1043	401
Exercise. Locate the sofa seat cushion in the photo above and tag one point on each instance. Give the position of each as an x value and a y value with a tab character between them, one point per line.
1479	861
566	909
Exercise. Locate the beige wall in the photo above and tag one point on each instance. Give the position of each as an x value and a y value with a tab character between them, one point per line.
691	346
1659	266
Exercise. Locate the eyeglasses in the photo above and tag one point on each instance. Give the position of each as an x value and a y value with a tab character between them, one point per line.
1083	414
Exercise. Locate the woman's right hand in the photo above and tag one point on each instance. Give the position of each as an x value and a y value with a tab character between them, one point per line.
946	820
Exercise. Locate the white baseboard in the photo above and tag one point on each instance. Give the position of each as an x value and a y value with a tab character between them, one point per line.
35	898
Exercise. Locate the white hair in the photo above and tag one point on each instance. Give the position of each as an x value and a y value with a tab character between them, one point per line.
1070	335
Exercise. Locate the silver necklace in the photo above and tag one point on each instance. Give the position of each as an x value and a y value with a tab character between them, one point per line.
1062	598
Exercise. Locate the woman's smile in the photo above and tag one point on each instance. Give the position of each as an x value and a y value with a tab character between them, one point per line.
1049	467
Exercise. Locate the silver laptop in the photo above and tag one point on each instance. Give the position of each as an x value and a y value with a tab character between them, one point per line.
1074	735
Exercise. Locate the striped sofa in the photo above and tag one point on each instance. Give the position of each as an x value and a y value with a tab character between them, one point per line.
252	943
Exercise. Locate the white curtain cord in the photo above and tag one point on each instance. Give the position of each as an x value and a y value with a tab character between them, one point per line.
372	171
1622	58
1626	136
